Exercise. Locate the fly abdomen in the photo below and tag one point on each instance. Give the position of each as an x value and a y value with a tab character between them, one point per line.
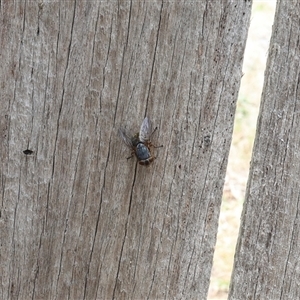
142	151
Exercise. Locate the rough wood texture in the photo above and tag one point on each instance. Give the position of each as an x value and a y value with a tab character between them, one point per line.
267	256
78	221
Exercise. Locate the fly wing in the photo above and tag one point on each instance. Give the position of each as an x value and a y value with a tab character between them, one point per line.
124	136
145	131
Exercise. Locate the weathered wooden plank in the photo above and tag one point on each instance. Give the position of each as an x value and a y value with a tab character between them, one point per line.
78	221
267	255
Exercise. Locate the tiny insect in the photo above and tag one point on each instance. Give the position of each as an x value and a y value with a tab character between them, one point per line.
140	143
27	152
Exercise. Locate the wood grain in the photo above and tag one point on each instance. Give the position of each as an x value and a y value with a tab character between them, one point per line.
267	256
79	221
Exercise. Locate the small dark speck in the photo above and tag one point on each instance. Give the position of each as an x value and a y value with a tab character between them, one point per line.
207	140
27	152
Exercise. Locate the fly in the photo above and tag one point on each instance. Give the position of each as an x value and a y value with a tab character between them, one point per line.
140	143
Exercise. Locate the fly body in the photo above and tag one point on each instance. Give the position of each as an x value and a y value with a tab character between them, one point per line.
140	143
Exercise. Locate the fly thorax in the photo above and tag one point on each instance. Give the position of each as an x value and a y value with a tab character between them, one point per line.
135	140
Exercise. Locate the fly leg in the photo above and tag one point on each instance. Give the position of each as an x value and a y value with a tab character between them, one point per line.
151	145
157	146
132	154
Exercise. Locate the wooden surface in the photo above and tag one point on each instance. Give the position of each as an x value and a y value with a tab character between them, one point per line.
79	221
267	255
